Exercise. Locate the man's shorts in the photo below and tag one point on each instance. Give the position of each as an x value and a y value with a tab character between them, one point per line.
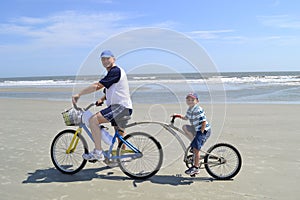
115	112
200	139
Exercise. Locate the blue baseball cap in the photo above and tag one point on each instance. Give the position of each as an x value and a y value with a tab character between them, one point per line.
193	95
107	54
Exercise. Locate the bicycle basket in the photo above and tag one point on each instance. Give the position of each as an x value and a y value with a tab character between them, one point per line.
72	117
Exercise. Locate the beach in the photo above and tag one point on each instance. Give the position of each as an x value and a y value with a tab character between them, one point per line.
267	136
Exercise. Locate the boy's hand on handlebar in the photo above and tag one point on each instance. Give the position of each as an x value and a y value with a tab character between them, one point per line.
174	116
177	115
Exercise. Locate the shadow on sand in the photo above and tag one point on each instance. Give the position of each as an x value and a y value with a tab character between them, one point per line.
52	175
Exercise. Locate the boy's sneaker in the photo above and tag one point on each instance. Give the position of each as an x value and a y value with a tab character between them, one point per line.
192	171
95	155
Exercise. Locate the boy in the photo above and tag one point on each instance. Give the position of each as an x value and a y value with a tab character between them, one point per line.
199	130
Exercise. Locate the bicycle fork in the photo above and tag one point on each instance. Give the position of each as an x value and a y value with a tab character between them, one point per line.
74	142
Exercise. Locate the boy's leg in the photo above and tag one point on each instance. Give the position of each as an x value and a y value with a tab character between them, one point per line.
196	144
195	168
188	132
196	157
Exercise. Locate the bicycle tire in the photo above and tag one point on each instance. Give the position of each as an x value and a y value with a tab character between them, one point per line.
150	162
188	157
228	163
72	162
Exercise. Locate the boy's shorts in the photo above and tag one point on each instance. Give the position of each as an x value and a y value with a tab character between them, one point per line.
114	112
200	139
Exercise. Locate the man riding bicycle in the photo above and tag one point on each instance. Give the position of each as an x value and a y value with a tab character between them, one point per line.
117	98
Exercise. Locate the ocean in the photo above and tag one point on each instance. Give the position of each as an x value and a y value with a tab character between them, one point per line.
229	87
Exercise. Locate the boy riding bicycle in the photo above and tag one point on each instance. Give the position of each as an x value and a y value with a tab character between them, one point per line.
199	130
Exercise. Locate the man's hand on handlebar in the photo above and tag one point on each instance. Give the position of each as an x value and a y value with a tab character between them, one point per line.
75	99
99	102
77	96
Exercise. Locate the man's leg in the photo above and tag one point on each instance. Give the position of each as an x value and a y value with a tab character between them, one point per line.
122	133
94	122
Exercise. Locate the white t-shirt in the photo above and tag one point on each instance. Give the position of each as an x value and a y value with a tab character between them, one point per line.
117	88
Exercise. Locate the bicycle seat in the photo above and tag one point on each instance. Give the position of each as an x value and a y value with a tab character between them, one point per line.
122	121
124	118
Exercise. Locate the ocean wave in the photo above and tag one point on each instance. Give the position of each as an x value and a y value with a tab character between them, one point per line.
42	83
233	80
270	80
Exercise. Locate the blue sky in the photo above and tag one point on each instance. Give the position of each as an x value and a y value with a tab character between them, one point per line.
41	37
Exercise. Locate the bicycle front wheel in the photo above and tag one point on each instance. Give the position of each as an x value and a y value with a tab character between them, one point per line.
68	162
223	161
150	161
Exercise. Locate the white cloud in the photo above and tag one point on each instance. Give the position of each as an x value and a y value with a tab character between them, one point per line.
220	36
210	34
67	28
280	21
275	3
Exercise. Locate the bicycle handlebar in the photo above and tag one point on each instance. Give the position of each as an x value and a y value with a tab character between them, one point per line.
84	109
174	117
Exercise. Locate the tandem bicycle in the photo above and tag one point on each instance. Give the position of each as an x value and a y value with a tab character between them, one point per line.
144	155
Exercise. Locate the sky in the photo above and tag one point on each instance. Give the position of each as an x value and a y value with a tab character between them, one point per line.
55	37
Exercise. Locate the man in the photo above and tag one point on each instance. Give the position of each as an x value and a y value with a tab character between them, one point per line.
117	98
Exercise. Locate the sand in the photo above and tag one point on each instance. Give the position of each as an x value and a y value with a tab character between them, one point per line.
267	136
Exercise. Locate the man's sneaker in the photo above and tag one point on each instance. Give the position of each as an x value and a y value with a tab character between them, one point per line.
192	171
95	155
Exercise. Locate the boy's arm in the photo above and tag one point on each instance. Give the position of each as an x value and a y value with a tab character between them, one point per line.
203	125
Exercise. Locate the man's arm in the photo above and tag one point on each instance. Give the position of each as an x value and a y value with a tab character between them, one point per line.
90	89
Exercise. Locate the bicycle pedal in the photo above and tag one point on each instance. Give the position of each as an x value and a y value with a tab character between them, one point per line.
194	175
111	163
93	161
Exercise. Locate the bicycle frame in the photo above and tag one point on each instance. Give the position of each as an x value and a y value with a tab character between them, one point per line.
171	129
107	154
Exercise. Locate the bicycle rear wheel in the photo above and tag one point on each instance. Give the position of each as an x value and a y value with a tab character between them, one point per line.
148	164
223	161
68	163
